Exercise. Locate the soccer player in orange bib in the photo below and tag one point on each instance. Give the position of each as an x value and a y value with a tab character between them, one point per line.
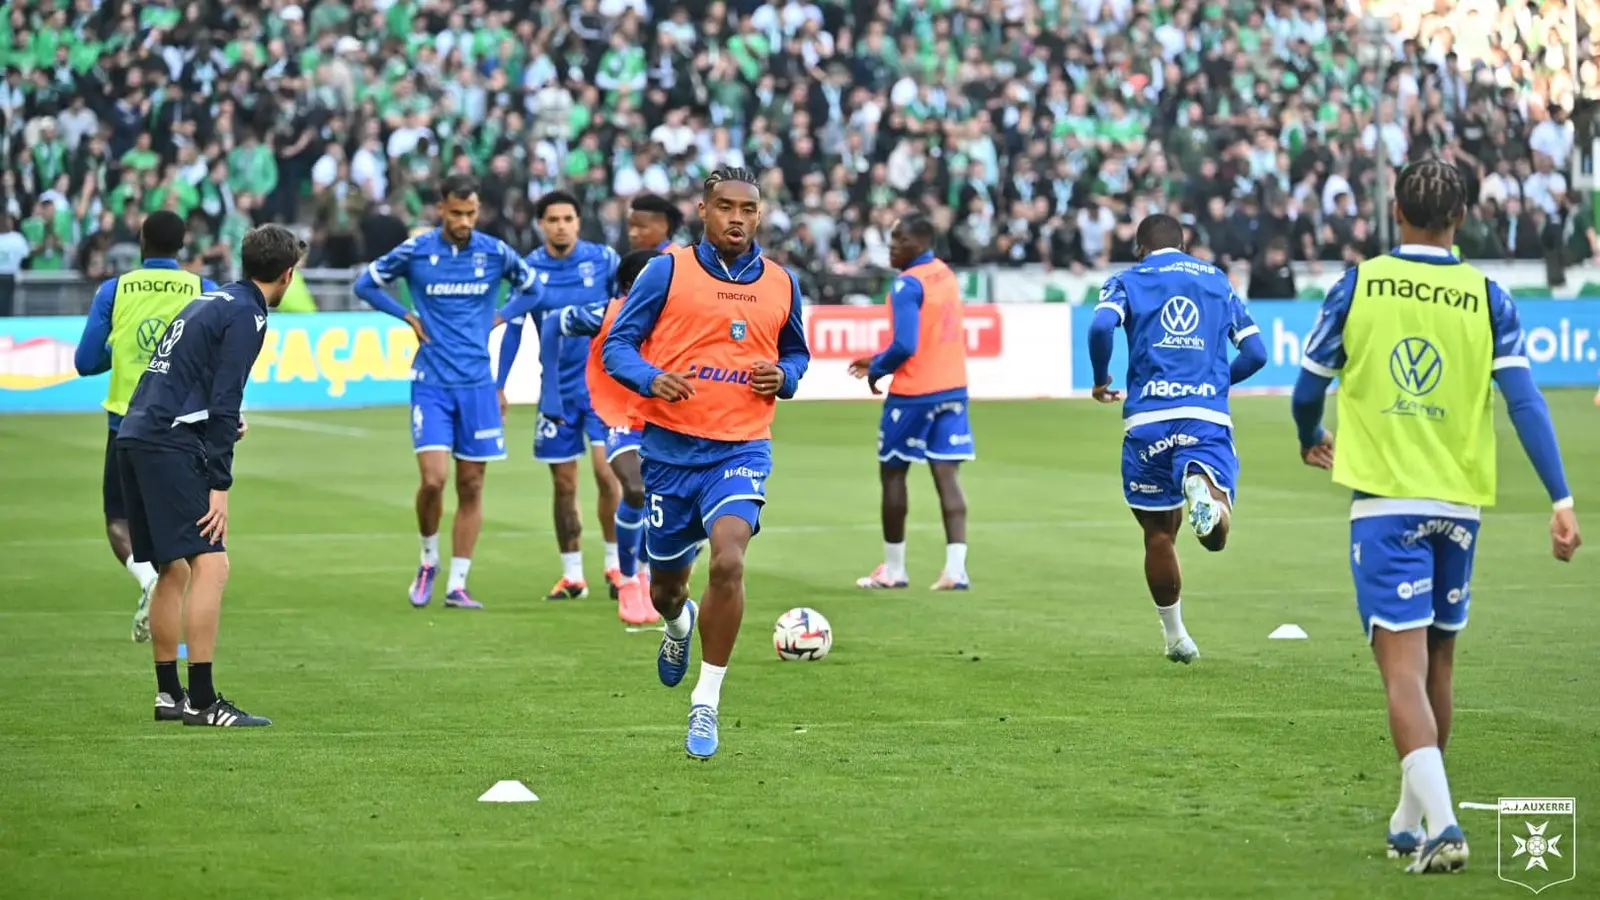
711	337
925	416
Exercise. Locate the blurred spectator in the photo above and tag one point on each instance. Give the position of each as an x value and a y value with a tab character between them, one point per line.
1037	130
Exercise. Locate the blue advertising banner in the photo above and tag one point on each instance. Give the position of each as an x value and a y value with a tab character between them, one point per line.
1563	340
317	361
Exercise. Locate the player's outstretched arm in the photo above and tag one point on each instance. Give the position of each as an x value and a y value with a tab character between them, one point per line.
552	403
1246	338
1530	416
93	355
1320	364
1109	314
634	323
905	311
794	356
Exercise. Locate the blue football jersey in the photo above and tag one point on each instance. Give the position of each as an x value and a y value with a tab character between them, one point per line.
1180	316
585	277
454	292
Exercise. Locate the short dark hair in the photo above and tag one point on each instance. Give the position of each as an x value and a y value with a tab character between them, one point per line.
161	236
1431	194
919	226
661	206
1159	232
269	251
631	265
556	198
731	173
459	187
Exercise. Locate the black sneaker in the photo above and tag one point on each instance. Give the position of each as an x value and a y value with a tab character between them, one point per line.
169	708
221	714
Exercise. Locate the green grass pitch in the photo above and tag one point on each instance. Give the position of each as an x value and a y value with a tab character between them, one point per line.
1024	740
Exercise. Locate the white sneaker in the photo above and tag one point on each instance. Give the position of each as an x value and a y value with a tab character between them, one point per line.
1183	651
141	618
1205	513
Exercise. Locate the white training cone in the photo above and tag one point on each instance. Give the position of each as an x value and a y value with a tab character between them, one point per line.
1288	633
508	792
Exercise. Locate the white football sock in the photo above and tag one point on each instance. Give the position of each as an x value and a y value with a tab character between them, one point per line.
1408	813
142	572
1172	622
955	560
613	558
894	559
679	627
708	690
1423	770
430	550
459	566
572	566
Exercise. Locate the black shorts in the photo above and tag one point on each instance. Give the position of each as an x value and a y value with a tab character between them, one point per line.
166	495
111	482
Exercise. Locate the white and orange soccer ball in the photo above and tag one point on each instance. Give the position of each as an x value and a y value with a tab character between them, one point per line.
802	633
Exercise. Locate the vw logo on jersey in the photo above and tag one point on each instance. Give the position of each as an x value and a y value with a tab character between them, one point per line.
173	334
148	335
1180	316
1416	366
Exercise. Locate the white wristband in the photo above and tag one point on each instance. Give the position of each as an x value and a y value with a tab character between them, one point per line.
1563	503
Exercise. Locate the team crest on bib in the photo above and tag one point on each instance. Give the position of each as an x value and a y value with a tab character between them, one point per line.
737	329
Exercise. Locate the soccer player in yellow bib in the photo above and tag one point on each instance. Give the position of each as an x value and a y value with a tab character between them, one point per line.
126	320
1415	338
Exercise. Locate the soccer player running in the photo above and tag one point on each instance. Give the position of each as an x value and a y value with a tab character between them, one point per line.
613	404
711	336
453	273
175	460
1180	315
925	415
124	327
571	273
1416	338
652	221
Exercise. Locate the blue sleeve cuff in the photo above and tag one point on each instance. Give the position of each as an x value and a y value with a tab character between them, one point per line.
1530	415
1310	397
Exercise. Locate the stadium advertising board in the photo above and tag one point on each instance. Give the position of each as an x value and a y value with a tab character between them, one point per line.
1563	341
1015	351
307	362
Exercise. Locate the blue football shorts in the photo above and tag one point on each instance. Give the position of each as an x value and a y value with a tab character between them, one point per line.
622	440
570	439
1412	571
913	432
1156	458
682	503
464	421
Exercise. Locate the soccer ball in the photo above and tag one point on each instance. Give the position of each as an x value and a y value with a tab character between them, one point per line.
802	633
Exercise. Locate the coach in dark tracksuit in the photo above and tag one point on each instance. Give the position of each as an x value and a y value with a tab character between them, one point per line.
175	452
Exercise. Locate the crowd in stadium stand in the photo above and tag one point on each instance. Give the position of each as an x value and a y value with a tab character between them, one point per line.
1037	131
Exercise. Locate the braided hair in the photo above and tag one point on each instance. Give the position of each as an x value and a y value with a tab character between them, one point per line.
1431	195
731	173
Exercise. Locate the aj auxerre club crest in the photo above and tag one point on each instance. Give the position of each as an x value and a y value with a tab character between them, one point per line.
1180	316
1416	367
1538	841
586	272
480	264
737	330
